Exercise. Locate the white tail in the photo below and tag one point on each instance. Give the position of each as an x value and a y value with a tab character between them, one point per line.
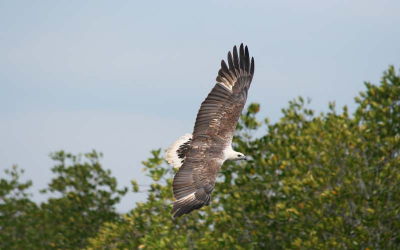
177	152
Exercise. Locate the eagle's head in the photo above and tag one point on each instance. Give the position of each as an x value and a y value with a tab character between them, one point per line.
236	156
240	157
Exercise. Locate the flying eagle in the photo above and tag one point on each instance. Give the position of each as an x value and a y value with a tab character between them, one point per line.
201	155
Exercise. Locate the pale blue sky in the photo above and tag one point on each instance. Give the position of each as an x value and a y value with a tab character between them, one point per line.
125	77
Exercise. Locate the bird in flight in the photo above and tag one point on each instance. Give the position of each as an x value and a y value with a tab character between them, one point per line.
200	156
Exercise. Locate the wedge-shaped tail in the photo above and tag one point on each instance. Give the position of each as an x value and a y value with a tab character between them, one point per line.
176	154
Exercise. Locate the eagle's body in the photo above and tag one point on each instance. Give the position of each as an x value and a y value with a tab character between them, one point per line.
201	155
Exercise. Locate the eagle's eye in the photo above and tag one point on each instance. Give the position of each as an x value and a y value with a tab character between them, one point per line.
238	155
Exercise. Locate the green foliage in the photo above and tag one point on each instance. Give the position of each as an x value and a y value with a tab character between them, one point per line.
327	181
313	182
86	198
15	211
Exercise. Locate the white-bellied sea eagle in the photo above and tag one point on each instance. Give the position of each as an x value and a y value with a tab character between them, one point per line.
201	155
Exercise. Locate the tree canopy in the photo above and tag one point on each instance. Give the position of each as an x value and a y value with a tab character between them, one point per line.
313	181
86	198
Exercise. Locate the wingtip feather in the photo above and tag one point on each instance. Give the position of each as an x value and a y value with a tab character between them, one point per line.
252	67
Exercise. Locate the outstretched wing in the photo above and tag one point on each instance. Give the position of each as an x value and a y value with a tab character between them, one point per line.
213	131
